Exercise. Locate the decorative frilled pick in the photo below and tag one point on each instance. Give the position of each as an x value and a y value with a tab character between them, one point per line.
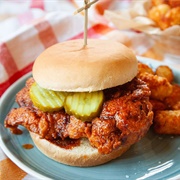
86	6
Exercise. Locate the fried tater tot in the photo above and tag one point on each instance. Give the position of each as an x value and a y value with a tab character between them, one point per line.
158	105
176	106
144	68
174	3
172	17
157	14
159	86
158	2
165	71
167	122
172	100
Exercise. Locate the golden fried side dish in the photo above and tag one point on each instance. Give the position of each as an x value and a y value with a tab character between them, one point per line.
167	122
160	86
165	98
172	3
165	13
142	68
166	72
174	99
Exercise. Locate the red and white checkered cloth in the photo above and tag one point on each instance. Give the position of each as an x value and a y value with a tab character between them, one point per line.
29	31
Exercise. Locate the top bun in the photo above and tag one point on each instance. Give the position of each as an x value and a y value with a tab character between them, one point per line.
69	66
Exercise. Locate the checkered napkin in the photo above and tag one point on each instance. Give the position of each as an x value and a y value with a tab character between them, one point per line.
24	36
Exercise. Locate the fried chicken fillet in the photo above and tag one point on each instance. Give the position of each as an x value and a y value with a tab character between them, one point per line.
126	116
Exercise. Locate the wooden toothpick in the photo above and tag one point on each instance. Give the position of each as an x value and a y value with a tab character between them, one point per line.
85	22
87	5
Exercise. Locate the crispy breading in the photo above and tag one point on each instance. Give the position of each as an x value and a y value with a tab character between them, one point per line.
165	98
158	2
172	17
157	14
47	125
173	99
166	72
172	3
158	105
105	135
159	86
76	128
176	106
167	122
164	15
144	68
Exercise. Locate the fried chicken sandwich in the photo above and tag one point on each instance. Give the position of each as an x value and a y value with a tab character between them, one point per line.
84	106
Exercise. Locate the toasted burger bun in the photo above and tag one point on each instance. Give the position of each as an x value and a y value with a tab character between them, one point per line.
69	66
83	156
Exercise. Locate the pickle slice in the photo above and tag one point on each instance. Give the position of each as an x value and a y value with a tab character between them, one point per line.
84	105
47	100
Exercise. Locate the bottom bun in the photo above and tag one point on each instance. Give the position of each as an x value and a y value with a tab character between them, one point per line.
83	155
